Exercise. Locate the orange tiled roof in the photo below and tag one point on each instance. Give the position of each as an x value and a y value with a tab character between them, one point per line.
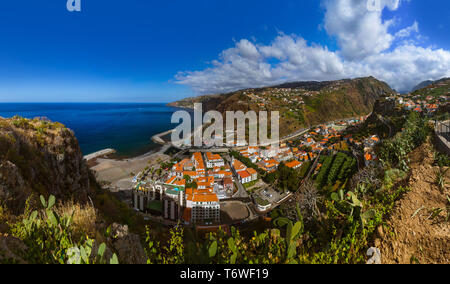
190	173
171	180
213	157
205	197
199	161
180	182
225	173
238	165
293	164
244	174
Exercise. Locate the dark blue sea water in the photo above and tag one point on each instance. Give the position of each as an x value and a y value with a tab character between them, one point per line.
126	127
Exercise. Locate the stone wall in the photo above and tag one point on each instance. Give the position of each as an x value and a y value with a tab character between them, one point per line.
442	143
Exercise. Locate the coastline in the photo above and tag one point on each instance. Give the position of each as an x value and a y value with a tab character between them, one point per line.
118	171
118	174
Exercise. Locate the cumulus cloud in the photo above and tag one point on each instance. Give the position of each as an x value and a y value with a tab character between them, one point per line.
366	48
358	26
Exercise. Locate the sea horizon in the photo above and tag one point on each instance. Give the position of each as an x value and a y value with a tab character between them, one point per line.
126	127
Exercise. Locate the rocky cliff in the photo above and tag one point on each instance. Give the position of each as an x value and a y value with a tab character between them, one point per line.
40	157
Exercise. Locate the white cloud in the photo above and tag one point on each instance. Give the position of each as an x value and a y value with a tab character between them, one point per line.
406	32
358	26
366	48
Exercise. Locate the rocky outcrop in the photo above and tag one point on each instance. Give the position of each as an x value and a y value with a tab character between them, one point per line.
384	107
11	250
42	158
127	245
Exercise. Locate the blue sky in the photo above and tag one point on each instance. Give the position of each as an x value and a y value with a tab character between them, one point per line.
134	50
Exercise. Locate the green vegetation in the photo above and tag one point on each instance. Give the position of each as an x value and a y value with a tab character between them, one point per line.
440	178
155	206
250	184
50	239
171	151
268	247
304	169
333	219
441	160
324	170
261	201
284	178
393	152
338	227
336	168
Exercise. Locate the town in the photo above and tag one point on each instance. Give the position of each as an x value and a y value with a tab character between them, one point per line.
192	189
231	185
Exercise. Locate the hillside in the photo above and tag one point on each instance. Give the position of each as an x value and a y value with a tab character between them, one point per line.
422	85
301	104
413	234
43	158
40	157
435	89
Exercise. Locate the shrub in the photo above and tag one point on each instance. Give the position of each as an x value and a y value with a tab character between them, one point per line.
49	237
394	151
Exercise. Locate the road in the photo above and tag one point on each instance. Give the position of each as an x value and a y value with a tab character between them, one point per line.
242	192
295	134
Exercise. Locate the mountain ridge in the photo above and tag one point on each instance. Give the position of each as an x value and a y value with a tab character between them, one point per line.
301	104
427	83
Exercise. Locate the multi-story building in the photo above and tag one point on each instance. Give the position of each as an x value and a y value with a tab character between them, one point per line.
203	206
244	177
214	160
175	201
199	164
253	174
170	200
228	184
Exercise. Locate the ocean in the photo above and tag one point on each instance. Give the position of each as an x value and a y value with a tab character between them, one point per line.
126	127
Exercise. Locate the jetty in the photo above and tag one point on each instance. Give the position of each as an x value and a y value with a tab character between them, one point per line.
158	137
99	154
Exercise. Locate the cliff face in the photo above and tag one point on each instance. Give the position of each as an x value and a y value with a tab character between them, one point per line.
301	104
40	157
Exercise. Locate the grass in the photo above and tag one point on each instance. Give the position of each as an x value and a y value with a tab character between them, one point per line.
85	217
440	178
261	201
250	184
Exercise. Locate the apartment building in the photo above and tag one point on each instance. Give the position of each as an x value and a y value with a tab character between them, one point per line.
203	206
199	164
214	160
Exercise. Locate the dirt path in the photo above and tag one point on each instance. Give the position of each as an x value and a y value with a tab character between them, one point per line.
418	239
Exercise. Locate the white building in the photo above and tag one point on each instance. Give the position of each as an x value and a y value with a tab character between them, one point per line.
214	160
204	206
